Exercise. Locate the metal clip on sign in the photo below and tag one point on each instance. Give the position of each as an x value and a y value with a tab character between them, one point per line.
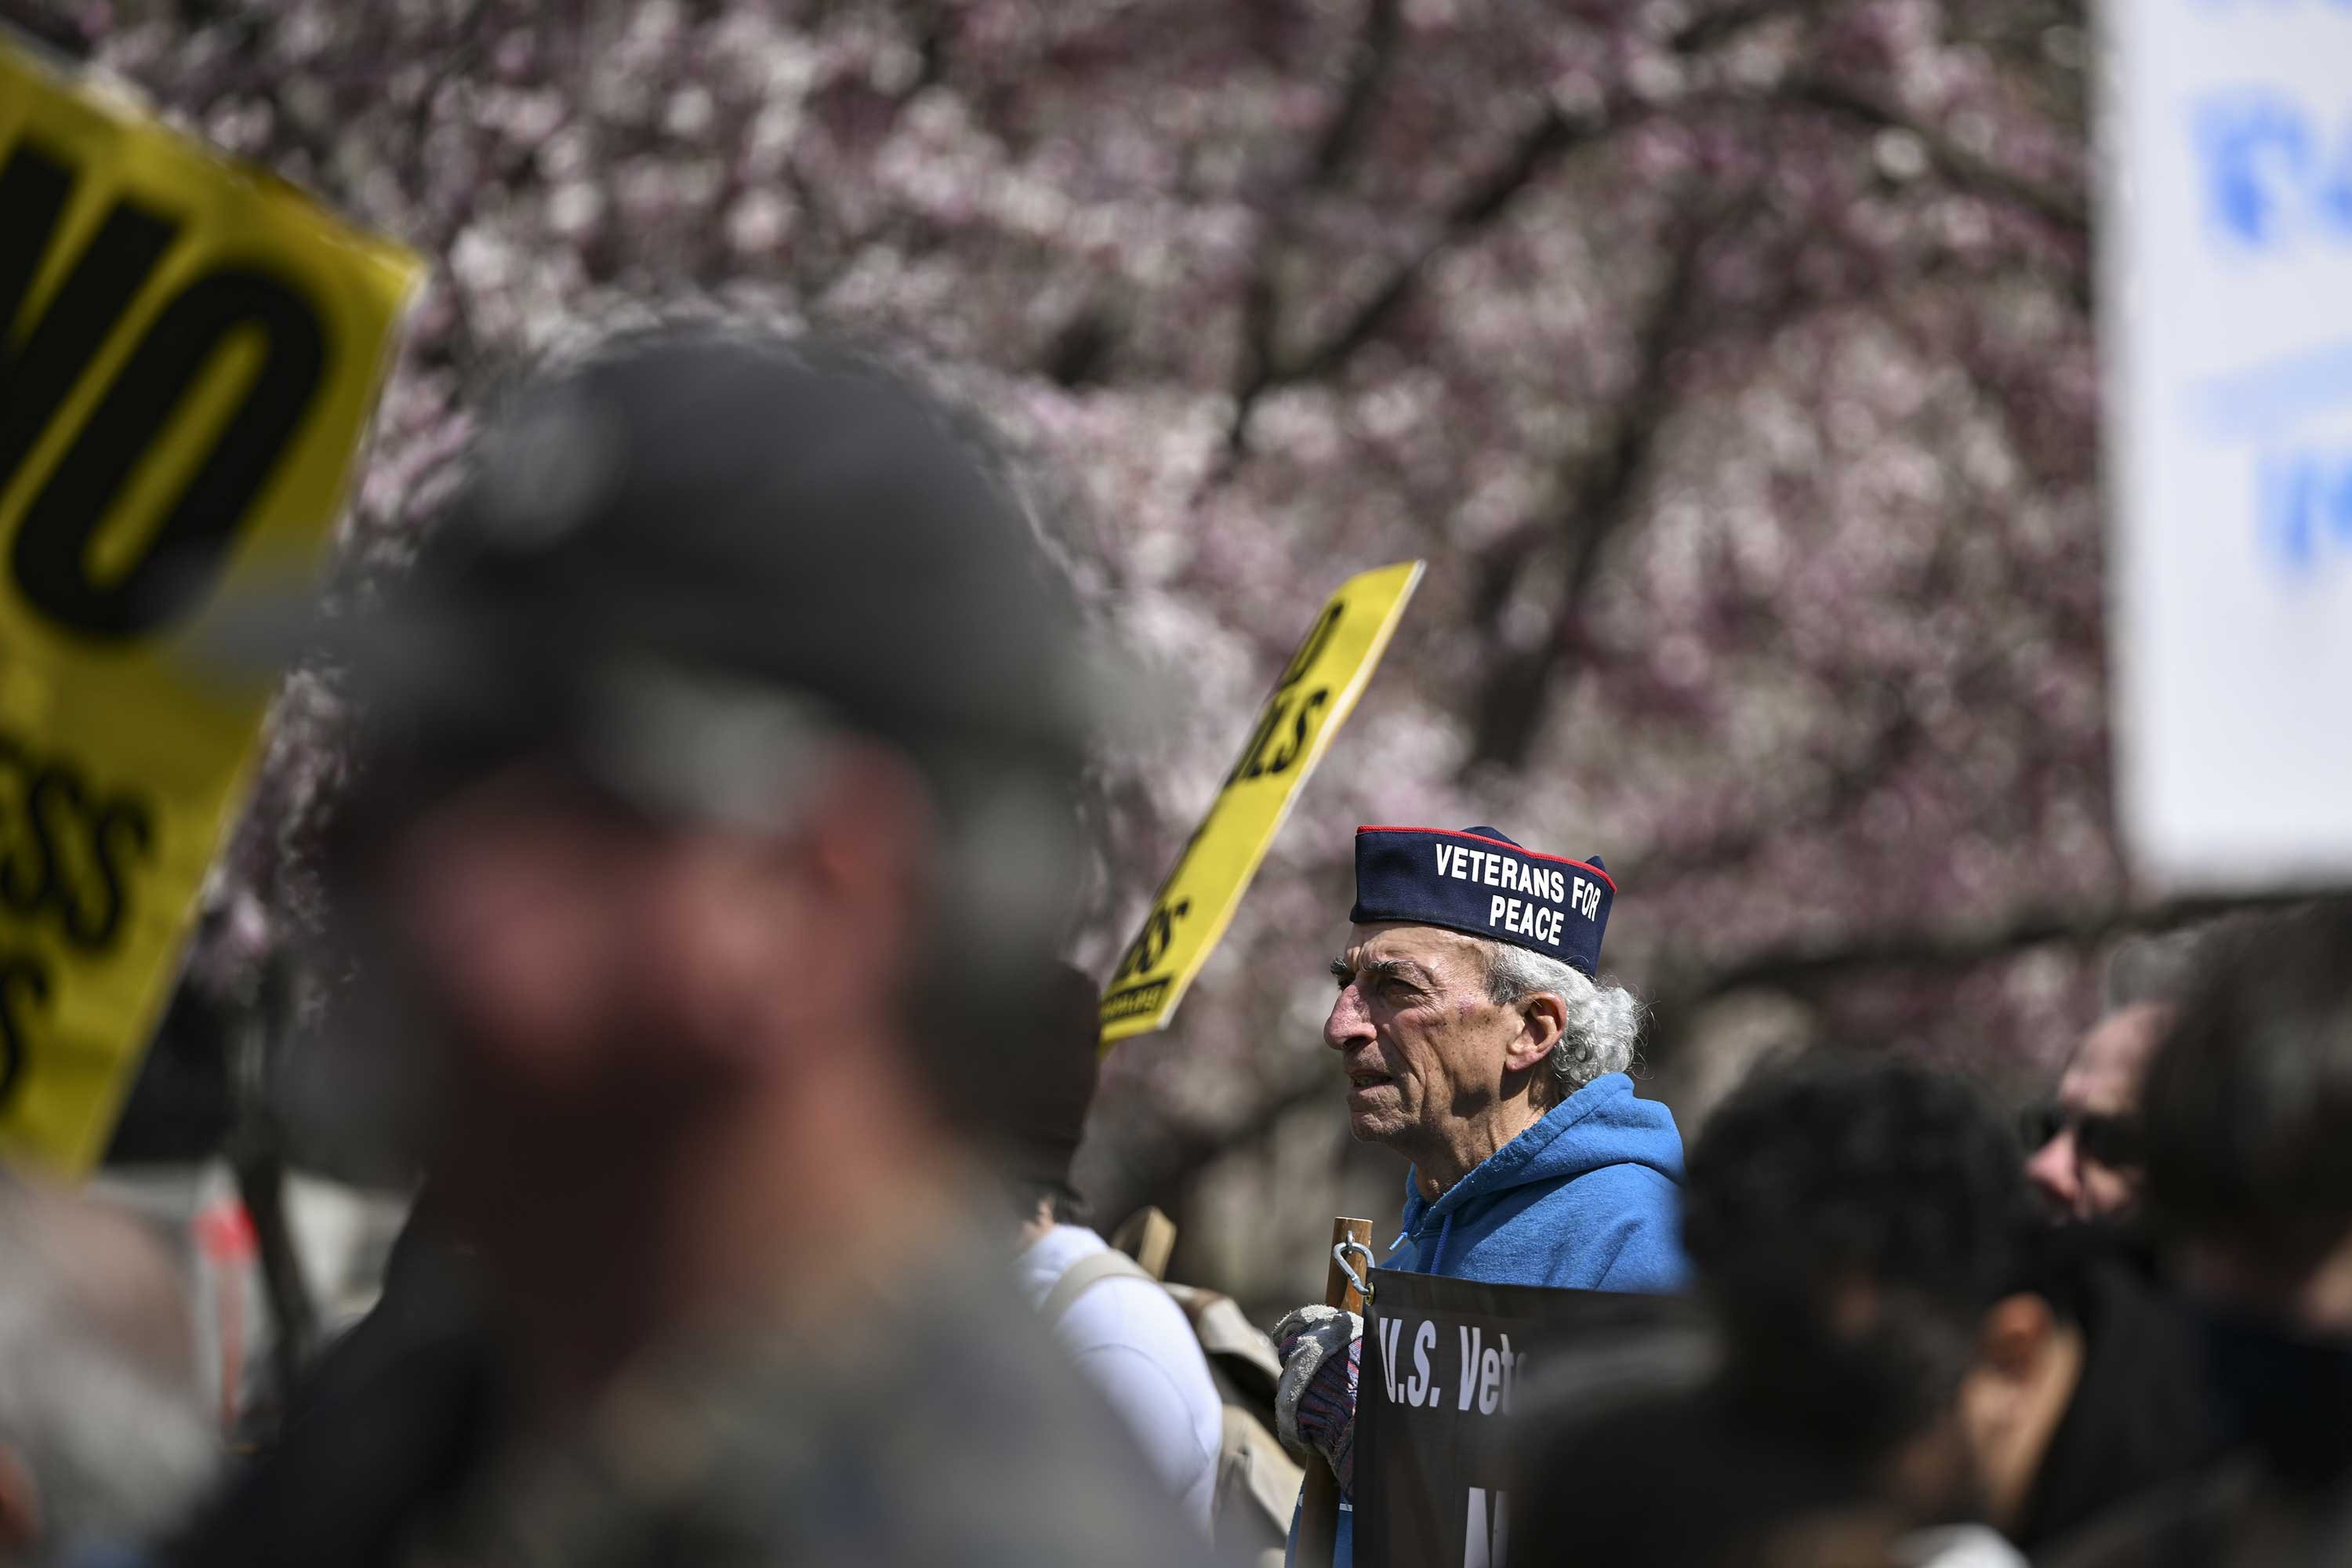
1318	1495
1362	1283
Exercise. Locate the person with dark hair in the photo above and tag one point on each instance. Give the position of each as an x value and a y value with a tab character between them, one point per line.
1117	1324
711	837
1690	1480
2087	1157
2249	1117
1861	1225
2085	1142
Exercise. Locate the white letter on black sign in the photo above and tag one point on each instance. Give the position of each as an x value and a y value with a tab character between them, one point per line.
1487	1538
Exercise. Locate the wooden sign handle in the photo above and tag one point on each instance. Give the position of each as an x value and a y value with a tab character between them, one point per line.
1318	1508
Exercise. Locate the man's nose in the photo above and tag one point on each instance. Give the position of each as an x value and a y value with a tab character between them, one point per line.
2053	1170
1349	1024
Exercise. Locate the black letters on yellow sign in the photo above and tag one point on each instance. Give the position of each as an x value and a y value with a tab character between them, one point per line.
1151	943
1275	747
22	976
190	351
66	852
1286	709
1189	913
41	360
1319	637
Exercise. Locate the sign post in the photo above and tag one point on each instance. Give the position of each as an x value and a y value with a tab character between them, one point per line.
2227	339
189	352
1318	689
1318	1494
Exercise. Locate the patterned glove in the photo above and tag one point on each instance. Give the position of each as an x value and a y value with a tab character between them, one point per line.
1315	1403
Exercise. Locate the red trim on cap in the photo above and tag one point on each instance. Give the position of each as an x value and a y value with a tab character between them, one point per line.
1499	844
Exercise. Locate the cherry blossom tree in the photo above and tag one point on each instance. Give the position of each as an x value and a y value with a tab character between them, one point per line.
1730	362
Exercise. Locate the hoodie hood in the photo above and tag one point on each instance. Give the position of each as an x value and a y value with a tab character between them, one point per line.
1597	1178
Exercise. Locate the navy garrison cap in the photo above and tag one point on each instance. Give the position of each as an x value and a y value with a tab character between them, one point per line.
1481	883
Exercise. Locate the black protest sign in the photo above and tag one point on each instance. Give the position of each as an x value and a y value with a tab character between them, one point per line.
1452	1369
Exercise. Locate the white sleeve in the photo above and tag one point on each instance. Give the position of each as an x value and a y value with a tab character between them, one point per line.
1155	1411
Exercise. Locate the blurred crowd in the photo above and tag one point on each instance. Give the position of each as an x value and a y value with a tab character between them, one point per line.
711	841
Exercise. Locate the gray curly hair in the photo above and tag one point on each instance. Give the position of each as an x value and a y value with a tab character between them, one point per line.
1603	1021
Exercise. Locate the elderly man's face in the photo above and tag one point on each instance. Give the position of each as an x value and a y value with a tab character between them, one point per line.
2101	1089
1418	1037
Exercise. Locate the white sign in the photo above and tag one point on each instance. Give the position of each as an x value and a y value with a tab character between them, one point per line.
2227	281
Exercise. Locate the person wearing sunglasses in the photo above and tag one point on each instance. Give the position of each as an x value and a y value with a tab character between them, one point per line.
2086	1158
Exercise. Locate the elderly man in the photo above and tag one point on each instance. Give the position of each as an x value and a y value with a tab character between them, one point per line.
1478	1043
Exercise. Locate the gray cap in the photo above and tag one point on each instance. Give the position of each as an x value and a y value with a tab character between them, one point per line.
673	556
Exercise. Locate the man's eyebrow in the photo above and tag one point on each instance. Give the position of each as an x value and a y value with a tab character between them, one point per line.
1379	969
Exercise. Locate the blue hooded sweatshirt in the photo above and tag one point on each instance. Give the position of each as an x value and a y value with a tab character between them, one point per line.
1587	1199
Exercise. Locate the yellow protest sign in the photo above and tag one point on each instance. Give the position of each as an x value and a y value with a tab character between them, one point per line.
1318	689
189	352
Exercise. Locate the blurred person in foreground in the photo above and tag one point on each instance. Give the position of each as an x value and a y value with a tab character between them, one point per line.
1117	1323
2249	1109
379	1432
103	1440
1889	1298
1684	1481
1479	1042
712	829
2087	1158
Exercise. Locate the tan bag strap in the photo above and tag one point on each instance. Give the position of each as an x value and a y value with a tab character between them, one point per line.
1086	1274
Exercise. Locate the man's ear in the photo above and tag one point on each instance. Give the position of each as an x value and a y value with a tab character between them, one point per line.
1543	1016
2017	1333
20	1505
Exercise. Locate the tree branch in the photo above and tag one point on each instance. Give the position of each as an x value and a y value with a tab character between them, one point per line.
1472	212
1552	135
1718	27
1804	966
2067	209
1599	501
1368	68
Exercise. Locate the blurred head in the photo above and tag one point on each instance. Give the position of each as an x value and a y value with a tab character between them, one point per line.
2087	1159
718	747
1435	1027
1861	1221
1682	1481
1049	1073
2249	1115
102	1436
2249	1112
